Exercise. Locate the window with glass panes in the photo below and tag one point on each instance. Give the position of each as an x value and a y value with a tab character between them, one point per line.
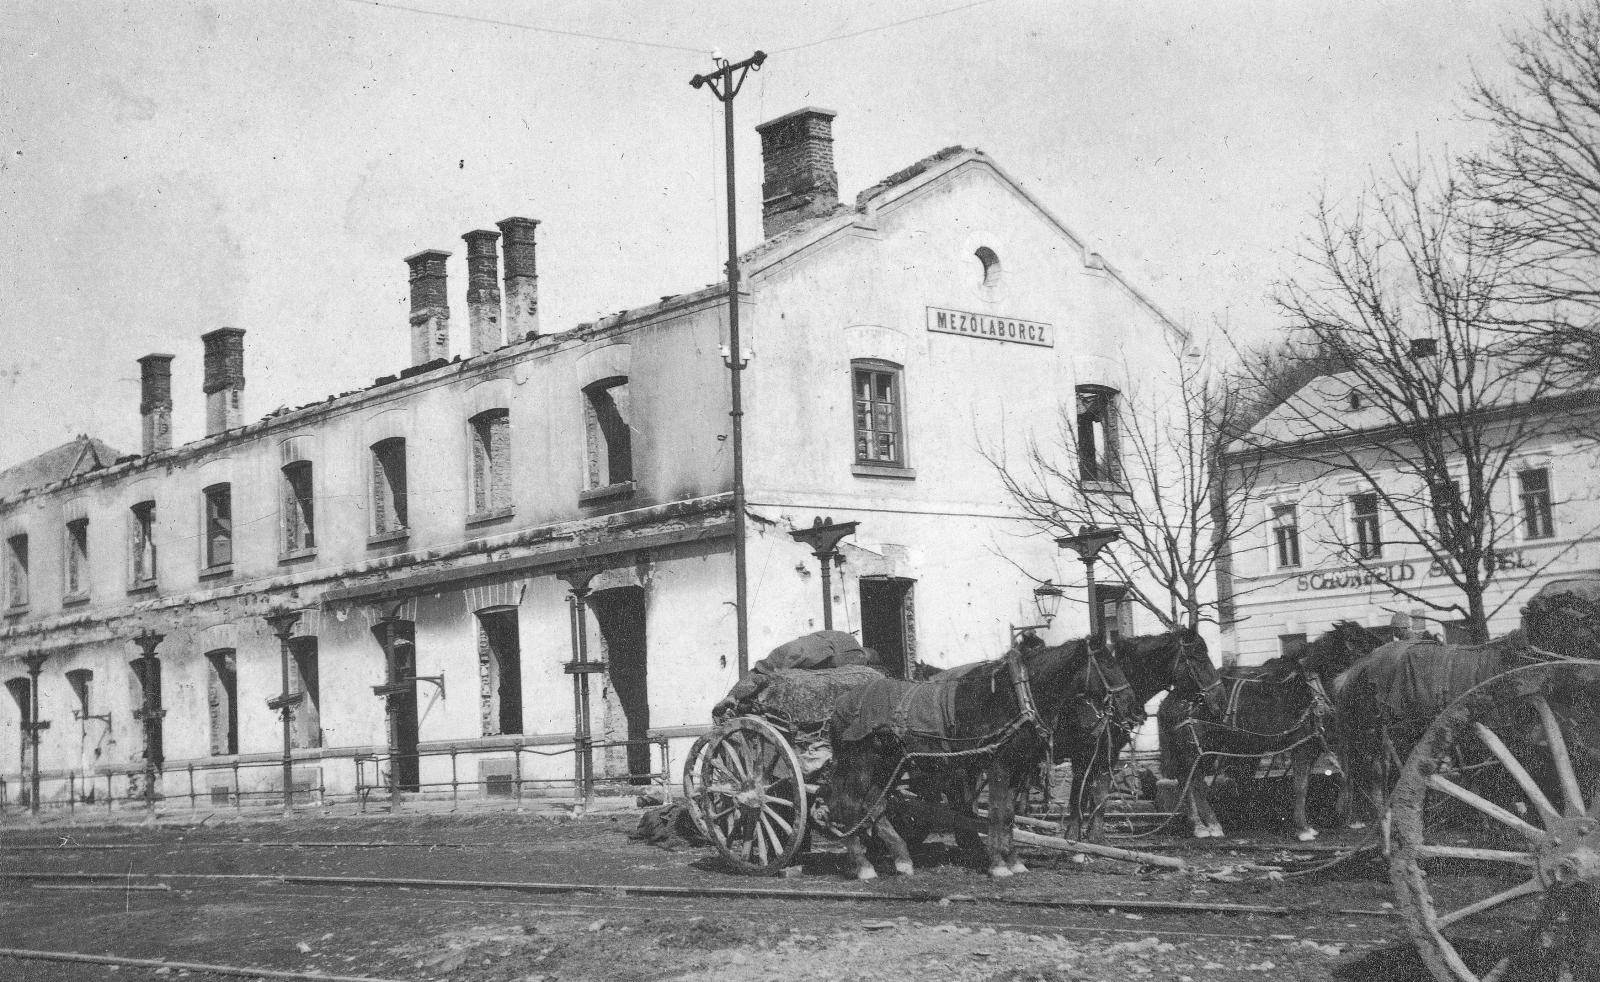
1286	535
1538	521
879	424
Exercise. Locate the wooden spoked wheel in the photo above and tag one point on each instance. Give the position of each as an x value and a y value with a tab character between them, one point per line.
1496	821
754	796
693	790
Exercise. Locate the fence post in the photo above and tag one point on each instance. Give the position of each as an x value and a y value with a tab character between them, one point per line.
516	772
191	786
72	793
455	783
238	796
111	792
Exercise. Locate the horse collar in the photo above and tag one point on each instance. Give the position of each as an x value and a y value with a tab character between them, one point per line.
1023	687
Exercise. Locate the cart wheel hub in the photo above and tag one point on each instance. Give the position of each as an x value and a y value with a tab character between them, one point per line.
749	798
1570	854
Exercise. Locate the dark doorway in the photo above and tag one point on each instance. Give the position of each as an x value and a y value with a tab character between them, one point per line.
20	691
304	677
888	623
499	672
621	616
222	699
398	640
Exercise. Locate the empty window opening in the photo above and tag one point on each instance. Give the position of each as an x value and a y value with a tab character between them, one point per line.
219	526
1116	609
77	565
142	542
608	412
1538	519
306	730
389	511
491	461
1098	458
299	508
499	672
620	614
879	422
222	699
81	680
21	693
1366	525
1286	536
17	571
991	267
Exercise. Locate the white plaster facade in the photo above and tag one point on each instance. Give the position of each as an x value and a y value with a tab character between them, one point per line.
937	533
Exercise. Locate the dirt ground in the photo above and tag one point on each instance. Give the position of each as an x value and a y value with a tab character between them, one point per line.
226	903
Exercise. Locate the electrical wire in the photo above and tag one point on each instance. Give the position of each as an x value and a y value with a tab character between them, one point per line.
530	27
881	27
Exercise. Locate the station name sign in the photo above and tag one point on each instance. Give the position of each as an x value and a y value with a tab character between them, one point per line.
943	320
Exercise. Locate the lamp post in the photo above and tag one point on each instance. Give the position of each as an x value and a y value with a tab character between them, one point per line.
150	712
725	83
580	668
1087	544
823	537
282	621
35	663
1046	600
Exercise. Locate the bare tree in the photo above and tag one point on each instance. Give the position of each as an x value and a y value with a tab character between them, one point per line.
1541	179
1429	413
1150	464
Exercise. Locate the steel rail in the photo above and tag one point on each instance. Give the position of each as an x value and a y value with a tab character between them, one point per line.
649	890
26	954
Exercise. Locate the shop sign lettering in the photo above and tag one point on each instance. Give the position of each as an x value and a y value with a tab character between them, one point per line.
942	320
1504	561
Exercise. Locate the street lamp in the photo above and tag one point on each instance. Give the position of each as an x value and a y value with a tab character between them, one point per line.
823	537
725	83
1046	600
1087	544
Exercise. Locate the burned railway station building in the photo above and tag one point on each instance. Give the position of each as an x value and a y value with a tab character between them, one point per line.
511	572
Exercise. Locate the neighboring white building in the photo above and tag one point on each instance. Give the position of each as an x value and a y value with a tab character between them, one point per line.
436	528
1292	573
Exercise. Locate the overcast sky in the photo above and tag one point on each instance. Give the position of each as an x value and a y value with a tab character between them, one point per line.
173	167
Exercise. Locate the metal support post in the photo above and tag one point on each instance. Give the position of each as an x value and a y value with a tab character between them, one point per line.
580	669
725	83
35	663
283	622
1088	544
823	537
150	712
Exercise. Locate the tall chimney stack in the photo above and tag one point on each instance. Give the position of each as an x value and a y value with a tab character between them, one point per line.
224	379
430	308
522	277
155	402
798	179
483	292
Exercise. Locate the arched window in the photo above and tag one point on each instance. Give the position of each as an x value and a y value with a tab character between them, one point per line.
219	526
1098	458
491	462
299	509
222	698
879	413
607	412
389	512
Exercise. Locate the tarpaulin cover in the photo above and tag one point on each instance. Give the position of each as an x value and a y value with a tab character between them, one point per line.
1418	679
896	706
806	697
818	650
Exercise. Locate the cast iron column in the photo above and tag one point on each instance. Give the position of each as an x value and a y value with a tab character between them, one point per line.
282	623
150	712
725	83
35	663
1087	544
823	537
580	668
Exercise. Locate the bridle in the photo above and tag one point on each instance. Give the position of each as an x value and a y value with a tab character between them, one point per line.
1183	664
1106	711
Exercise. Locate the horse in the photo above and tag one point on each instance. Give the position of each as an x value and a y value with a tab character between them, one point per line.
1152	663
1003	715
1275	708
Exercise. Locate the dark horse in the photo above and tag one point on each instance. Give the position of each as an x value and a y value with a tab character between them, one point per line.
1002	716
1279	707
1152	663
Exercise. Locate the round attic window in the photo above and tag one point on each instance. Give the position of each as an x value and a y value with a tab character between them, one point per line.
991	267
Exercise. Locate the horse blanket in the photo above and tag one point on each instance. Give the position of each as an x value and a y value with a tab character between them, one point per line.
1418	679
805	698
818	650
896	706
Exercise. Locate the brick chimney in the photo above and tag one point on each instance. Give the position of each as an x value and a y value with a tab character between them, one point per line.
798	180
430	308
522	277
224	379
155	402
483	292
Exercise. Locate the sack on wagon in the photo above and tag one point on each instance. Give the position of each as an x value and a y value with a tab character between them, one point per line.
813	652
